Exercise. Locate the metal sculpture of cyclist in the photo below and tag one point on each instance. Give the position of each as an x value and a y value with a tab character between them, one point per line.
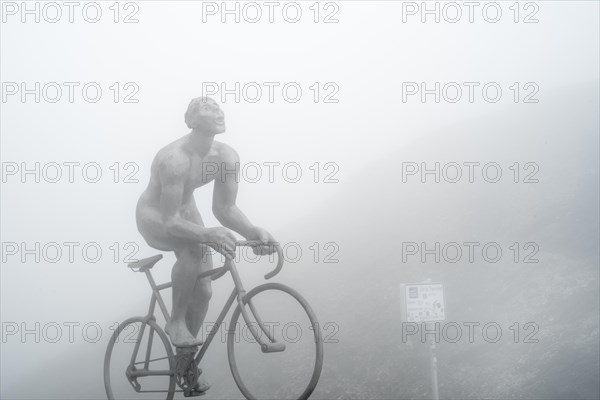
168	219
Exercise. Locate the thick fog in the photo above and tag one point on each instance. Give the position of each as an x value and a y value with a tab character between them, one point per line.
402	149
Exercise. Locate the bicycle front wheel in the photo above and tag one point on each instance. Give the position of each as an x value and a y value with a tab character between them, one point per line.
288	319
139	362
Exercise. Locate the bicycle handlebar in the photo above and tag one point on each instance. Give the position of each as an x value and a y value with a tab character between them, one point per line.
254	243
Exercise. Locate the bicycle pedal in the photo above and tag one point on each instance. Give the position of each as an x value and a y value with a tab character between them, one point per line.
193	393
135	384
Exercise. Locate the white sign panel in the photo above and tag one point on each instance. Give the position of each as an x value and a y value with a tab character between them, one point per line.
425	302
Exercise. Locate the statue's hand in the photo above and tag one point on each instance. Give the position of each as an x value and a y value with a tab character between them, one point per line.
261	235
223	241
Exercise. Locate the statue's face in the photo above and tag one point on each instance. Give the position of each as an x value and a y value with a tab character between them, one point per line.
210	117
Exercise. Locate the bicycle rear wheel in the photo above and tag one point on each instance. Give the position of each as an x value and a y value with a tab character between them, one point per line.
289	374
139	362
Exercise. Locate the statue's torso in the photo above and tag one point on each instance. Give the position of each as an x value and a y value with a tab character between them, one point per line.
199	171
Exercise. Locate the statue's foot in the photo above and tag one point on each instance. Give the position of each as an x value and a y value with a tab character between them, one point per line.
193	393
201	385
180	335
199	390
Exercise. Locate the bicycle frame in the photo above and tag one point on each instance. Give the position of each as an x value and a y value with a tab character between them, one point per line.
238	293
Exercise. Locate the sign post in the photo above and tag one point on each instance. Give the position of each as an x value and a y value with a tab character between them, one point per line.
433	359
424	303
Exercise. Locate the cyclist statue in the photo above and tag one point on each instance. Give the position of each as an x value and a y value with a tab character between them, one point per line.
168	219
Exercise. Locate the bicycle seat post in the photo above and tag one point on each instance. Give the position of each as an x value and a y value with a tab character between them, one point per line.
150	279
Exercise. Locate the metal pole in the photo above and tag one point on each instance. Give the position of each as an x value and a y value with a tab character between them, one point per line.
433	360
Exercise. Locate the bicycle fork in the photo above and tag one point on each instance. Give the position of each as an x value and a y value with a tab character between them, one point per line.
270	346
239	294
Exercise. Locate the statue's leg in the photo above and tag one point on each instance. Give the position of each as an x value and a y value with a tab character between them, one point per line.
197	311
198	307
191	260
184	276
202	293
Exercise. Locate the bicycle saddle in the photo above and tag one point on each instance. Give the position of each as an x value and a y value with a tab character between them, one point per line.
145	263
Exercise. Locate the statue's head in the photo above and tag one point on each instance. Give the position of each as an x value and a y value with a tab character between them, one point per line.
204	114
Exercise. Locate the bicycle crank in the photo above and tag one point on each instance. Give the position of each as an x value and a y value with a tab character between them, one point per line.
186	370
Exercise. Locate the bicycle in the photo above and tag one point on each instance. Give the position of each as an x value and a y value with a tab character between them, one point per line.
181	369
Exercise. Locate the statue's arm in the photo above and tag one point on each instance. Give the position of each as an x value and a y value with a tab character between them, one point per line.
173	172
225	193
